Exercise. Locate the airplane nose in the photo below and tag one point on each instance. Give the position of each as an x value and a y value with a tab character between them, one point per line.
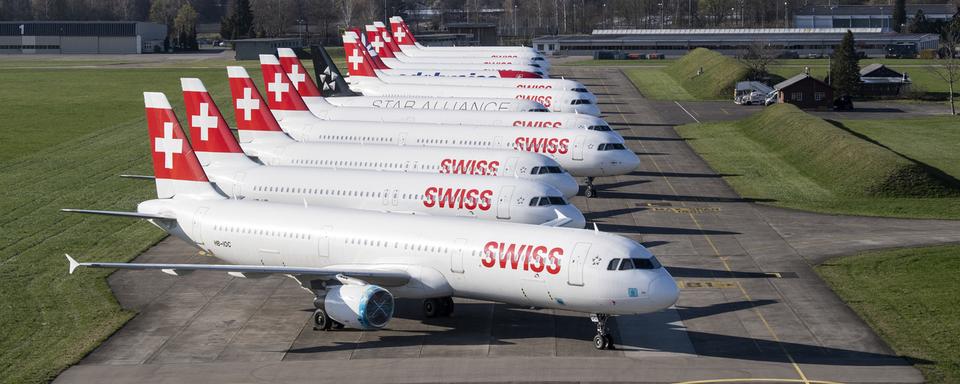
588	109
565	184
663	292
577	220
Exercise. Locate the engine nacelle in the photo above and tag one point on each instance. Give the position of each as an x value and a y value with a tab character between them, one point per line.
359	306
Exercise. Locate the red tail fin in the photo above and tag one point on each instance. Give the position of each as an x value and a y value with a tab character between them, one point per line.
173	159
379	44
281	94
295	72
358	61
401	34
250	111
208	130
387	37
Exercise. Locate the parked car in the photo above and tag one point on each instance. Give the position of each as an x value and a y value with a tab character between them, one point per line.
843	103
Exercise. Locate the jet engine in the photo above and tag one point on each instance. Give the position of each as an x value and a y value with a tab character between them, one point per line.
359	306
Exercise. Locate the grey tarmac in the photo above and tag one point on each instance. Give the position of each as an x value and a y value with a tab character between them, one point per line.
751	306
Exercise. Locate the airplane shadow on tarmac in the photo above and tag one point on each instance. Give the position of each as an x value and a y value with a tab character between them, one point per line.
499	324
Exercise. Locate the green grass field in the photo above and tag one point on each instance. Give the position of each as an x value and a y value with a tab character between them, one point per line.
619	63
655	84
911	297
67	135
795	160
934	141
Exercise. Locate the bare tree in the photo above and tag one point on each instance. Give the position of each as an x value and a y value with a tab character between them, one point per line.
948	68
758	56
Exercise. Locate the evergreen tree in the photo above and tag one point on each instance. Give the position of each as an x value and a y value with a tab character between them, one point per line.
918	24
899	16
845	67
244	19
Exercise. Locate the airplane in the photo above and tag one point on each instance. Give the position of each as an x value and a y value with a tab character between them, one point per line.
275	81
388	75
308	88
379	38
262	138
489	198
364	79
404	37
583	153
357	262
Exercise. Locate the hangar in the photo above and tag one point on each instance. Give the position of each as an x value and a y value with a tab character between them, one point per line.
90	37
676	42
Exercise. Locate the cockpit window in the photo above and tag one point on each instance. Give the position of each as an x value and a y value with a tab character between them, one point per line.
545	201
637	263
584	90
539	110
546	169
610	147
579	102
601	128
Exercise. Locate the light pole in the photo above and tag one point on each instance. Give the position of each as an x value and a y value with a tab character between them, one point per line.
514	20
604	22
786	11
660	4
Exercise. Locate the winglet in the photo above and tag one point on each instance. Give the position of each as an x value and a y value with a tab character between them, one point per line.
595	229
73	263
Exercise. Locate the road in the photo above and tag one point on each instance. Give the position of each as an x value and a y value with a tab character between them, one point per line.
751	307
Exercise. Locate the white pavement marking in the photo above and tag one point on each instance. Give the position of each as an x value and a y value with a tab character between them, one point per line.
688	112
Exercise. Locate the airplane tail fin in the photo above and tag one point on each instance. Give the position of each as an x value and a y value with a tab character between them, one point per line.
175	165
401	33
210	135
281	94
358	60
297	74
391	44
378	42
329	78
255	121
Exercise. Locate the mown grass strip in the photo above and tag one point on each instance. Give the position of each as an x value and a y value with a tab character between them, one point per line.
911	297
655	84
792	159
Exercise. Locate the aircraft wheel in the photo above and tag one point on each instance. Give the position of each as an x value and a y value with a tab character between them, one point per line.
431	308
600	342
446	304
610	345
321	322
590	192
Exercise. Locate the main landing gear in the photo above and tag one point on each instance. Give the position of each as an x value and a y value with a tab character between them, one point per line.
438	307
603	339
321	321
591	191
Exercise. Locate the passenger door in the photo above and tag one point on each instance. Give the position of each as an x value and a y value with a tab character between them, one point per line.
578	148
323	245
503	202
456	256
575	264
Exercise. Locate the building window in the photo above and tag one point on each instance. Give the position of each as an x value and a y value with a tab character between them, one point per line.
796	96
550	47
540	47
818	96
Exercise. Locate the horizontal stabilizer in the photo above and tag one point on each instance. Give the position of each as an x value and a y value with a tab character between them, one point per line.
133	215
385	277
144	177
558	222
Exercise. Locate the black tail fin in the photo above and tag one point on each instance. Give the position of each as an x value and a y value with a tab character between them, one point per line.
329	79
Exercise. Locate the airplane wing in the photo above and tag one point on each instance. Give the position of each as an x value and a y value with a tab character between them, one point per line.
559	221
380	276
134	215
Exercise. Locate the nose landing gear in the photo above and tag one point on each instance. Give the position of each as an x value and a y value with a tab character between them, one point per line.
438	307
603	339
591	191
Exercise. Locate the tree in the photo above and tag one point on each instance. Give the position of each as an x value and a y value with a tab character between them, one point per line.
845	67
758	56
185	28
899	16
948	69
918	24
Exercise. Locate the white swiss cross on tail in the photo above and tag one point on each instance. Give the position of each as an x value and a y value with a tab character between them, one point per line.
168	145
296	77
277	87
355	59
204	121
377	43
400	34
248	103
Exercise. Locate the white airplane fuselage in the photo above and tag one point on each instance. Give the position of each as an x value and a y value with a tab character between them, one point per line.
488	198
418	103
324	109
560	268
555	100
510	83
577	151
436	160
